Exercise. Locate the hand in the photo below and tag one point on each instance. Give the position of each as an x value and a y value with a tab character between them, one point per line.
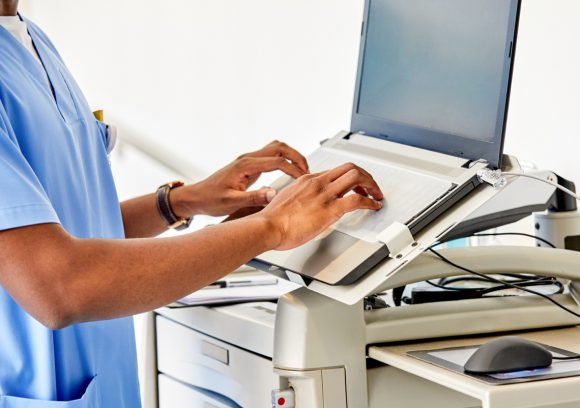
224	192
316	201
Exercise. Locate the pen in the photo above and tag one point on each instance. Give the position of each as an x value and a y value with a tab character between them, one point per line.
220	284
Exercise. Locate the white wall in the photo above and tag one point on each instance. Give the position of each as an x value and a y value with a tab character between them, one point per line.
544	121
212	79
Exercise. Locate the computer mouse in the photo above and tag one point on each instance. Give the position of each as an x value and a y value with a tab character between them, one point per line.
507	354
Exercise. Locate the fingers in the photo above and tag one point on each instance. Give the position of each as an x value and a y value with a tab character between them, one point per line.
338	171
293	155
355	202
361	191
256	165
252	199
351	177
279	149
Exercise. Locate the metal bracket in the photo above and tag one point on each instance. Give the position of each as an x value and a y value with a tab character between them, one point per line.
397	237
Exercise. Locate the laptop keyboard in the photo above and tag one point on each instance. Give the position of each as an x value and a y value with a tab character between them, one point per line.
407	193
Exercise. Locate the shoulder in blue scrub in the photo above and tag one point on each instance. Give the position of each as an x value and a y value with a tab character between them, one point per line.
53	162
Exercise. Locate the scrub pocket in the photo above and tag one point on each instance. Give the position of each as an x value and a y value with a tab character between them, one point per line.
90	399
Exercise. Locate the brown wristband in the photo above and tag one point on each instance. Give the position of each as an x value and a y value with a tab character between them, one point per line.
165	210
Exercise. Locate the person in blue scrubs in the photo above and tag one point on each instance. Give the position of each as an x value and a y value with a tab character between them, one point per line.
75	263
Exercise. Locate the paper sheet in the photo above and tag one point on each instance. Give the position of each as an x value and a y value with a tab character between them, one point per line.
239	294
406	194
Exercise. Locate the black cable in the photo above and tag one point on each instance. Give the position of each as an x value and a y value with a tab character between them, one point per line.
498	288
521	234
449	281
494	234
521	279
443	283
506	285
526	276
533	292
518	279
449	287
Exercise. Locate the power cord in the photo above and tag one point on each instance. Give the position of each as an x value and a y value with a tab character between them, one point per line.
522	234
517	278
552	183
540	281
498	281
493	234
520	279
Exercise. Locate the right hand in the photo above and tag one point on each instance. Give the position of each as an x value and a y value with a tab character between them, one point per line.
316	201
225	191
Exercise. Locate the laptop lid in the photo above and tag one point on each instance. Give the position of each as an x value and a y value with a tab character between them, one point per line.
437	74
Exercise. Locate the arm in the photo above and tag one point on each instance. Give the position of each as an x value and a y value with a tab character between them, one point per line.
223	193
71	280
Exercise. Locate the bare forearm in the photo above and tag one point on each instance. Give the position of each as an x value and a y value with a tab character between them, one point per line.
141	218
139	275
103	279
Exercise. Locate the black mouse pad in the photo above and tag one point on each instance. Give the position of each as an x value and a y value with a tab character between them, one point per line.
454	359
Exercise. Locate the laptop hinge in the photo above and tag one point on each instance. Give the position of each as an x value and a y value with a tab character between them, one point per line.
468	164
398	239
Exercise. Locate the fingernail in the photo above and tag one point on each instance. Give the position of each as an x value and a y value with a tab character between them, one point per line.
270	195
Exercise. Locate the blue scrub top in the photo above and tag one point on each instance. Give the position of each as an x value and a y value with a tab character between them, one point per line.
54	169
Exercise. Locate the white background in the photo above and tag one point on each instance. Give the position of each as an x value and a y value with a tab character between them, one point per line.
211	79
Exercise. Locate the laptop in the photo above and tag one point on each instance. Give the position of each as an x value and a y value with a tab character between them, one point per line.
429	113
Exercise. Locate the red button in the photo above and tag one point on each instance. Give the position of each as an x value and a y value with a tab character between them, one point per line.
281	401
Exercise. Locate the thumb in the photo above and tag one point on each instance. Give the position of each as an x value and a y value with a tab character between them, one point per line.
257	197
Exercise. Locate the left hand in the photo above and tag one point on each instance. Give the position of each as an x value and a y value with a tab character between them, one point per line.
225	192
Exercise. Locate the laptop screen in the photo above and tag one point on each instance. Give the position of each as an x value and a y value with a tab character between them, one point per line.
436	73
